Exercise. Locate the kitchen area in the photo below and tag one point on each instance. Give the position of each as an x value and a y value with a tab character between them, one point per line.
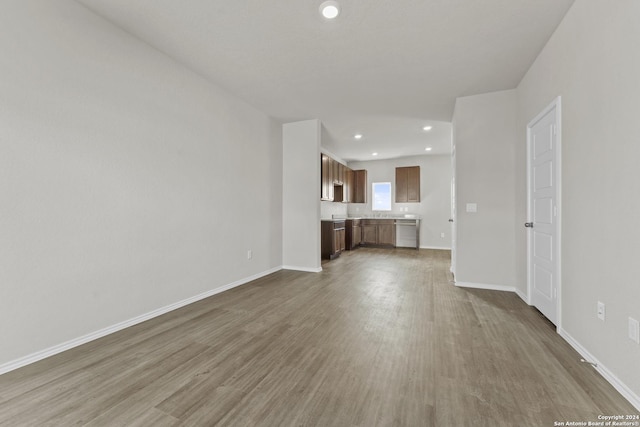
393	203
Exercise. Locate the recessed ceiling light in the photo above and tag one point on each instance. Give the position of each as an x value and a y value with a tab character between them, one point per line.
357	136
330	9
427	128
374	154
427	149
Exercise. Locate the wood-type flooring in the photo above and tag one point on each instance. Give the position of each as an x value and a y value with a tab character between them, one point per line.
381	337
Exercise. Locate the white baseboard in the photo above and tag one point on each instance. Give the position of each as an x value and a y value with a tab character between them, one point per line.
502	288
522	296
490	287
59	348
438	248
305	269
622	388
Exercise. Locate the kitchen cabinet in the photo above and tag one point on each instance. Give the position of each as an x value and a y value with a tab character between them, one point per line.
369	234
353	233
338	182
338	193
379	232
340	240
387	233
359	186
337	171
408	184
347	186
332	238
339	190
338	177
326	180
333	167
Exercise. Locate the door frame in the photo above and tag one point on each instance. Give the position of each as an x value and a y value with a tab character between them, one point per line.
452	227
453	220
556	103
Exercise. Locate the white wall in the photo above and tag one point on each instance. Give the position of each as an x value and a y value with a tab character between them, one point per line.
435	194
593	62
301	203
127	182
485	134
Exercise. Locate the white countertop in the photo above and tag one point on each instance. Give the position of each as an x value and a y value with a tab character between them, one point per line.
380	216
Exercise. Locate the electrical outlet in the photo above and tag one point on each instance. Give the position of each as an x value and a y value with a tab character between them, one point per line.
634	330
249	254
601	310
442	235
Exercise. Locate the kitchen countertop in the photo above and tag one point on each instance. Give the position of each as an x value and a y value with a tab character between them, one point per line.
413	217
369	217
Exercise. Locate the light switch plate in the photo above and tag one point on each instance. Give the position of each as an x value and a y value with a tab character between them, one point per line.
472	207
601	312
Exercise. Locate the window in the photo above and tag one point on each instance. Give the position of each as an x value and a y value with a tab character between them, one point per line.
381	196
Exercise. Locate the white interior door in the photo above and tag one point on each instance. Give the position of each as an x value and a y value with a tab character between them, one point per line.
543	218
453	211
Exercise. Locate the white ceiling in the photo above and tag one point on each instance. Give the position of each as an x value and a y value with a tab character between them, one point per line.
383	68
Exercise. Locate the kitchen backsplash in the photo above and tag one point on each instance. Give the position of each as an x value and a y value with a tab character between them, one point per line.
328	209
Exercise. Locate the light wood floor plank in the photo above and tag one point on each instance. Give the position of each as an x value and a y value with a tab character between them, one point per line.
379	338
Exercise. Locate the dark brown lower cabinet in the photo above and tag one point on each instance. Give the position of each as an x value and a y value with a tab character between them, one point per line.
378	232
369	234
333	238
353	233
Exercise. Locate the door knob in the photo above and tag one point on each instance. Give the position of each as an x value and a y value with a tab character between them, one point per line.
450	219
528	224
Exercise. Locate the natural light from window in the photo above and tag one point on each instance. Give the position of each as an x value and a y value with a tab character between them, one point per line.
381	196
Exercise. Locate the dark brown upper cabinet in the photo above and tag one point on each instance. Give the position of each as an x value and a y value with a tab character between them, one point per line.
326	181
338	177
359	186
338	183
334	171
347	186
408	184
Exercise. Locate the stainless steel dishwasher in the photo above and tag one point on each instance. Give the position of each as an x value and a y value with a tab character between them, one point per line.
408	233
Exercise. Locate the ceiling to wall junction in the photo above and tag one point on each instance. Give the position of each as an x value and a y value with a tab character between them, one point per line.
383	68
